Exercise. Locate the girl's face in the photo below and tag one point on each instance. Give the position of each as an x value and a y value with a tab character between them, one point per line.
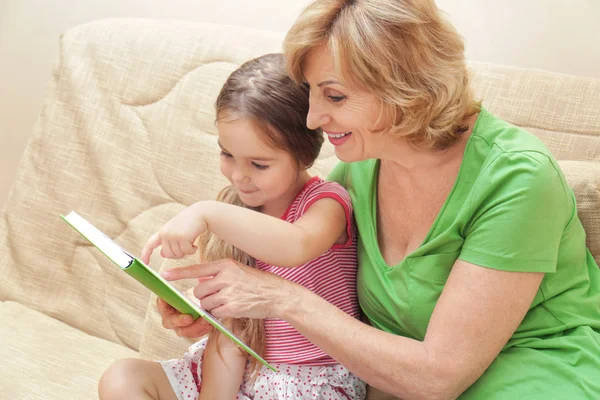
264	177
347	116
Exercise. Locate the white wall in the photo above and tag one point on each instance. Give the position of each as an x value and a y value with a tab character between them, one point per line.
556	35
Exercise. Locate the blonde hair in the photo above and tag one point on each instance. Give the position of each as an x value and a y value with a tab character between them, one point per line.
212	248
402	51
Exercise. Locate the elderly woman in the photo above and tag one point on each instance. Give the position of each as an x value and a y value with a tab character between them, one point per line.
473	272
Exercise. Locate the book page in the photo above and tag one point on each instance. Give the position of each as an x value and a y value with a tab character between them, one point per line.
110	249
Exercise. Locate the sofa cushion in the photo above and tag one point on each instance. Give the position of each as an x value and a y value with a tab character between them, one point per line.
43	358
584	178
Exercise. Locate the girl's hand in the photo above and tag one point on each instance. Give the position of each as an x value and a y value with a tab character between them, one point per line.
183	324
177	236
239	291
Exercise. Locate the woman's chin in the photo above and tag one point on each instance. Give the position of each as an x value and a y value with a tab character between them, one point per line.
347	156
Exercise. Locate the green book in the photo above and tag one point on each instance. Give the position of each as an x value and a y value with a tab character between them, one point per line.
149	278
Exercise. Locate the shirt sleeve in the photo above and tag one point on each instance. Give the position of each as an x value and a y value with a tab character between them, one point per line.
519	208
336	192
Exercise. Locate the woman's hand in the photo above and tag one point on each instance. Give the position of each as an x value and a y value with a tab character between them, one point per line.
237	290
177	236
183	324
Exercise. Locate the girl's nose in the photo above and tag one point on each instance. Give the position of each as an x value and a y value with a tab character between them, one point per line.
239	175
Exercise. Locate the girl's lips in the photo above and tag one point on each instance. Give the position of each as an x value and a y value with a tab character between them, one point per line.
245	192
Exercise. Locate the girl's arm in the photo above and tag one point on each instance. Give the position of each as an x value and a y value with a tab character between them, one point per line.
265	238
222	369
275	241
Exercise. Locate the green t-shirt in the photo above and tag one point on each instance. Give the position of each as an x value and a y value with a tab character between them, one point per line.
510	209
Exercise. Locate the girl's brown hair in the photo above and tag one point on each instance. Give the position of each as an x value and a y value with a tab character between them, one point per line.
212	248
262	90
403	51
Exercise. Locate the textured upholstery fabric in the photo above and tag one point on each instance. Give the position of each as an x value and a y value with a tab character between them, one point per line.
560	109
584	179
126	137
43	358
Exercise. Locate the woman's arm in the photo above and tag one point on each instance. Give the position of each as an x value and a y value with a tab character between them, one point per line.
265	238
470	325
222	369
477	313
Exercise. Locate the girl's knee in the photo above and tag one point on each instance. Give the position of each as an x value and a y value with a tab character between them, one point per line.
121	379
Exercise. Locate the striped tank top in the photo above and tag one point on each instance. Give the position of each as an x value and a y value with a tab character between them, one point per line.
331	275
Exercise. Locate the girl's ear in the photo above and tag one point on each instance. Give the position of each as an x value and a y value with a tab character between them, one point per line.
304	167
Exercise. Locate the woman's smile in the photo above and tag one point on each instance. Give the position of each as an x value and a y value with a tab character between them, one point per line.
338	138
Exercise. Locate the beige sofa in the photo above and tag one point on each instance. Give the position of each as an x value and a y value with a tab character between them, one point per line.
126	138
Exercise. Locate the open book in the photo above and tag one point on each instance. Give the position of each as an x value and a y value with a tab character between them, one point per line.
149	278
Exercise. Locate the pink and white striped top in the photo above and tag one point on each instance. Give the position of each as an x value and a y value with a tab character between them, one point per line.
332	276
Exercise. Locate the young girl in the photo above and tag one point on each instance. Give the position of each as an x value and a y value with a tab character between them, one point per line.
287	223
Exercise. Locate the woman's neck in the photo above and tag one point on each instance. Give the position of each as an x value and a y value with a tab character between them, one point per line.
402	155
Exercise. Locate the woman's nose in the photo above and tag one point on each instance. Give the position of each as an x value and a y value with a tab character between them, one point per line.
316	117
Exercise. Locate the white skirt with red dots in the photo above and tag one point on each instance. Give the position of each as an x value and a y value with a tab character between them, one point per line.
331	382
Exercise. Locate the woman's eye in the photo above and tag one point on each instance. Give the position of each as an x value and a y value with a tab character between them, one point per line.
260	166
226	155
336	99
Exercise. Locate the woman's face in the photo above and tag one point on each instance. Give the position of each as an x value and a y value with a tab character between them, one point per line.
348	116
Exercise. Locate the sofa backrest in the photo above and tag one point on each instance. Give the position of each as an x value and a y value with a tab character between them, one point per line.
126	138
564	112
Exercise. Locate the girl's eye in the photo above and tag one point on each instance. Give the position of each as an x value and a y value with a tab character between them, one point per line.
226	155
336	99
260	167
